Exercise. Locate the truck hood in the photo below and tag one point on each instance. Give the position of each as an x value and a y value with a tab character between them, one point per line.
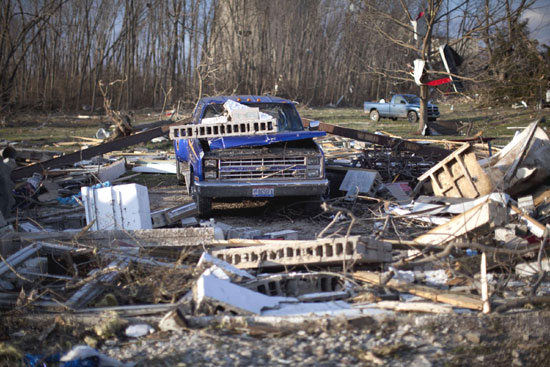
266	139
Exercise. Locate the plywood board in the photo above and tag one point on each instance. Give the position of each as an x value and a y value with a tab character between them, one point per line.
486	214
459	175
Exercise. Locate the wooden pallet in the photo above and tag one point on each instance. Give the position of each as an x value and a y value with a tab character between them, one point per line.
459	175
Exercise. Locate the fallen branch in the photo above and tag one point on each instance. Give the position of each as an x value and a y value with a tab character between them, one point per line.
520	302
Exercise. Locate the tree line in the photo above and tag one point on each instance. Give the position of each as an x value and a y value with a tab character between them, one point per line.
154	53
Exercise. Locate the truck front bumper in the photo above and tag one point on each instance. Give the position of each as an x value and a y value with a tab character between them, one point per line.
266	189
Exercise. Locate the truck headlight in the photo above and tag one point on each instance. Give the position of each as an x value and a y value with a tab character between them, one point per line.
313	161
210	174
313	172
210	163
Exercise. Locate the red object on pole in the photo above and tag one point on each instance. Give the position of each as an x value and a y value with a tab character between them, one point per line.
433	83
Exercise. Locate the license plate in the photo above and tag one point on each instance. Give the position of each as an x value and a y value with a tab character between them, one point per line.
263	192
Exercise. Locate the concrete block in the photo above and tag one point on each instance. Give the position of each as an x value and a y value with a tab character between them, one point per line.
117	207
212	294
231	128
329	251
361	182
480	219
243	233
527	205
532	268
112	171
509	238
295	284
189	222
504	234
287	234
235	274
165	217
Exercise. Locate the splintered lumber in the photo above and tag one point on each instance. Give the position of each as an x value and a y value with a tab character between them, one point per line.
480	217
454	299
71	158
459	175
392	143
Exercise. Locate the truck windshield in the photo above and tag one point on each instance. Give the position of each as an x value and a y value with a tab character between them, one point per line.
412	99
286	115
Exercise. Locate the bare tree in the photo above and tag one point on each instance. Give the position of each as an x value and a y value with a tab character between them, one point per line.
19	28
415	28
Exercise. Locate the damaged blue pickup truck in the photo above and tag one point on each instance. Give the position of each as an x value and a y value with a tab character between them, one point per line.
247	147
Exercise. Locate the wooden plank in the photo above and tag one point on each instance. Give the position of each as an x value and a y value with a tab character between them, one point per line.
482	215
71	158
455	299
426	307
444	162
392	143
466	173
173	237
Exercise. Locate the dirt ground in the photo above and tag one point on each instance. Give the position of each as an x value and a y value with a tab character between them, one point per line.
265	215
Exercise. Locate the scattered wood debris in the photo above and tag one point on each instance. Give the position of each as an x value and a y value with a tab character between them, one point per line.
473	234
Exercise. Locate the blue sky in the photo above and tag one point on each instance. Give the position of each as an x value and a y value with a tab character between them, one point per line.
539	21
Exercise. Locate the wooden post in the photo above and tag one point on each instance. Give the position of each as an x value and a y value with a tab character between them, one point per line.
484	285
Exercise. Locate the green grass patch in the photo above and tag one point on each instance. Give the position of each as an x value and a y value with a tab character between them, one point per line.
497	122
42	130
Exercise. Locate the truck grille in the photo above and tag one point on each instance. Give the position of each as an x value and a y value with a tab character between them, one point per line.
263	168
433	110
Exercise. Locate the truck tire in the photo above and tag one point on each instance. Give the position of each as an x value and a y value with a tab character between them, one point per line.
179	173
375	115
312	205
412	117
204	204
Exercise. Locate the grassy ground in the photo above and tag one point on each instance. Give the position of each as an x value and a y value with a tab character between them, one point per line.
468	120
46	130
